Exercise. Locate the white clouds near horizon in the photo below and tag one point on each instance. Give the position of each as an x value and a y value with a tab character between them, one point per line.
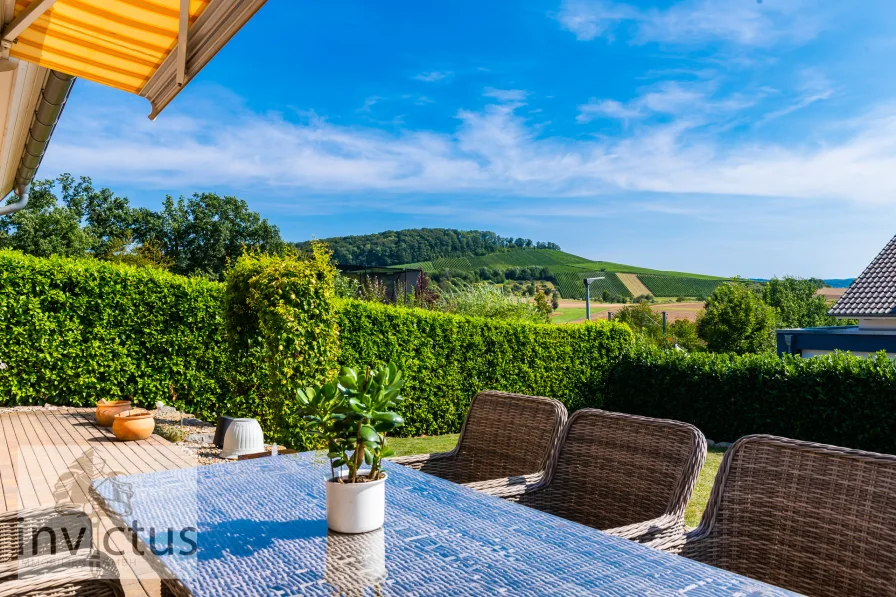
493	149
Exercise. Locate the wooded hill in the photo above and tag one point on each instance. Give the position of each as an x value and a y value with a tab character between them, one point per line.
475	255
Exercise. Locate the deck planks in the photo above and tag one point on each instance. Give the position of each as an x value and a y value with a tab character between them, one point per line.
49	457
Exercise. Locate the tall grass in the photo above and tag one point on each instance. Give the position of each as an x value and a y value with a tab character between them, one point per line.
488	300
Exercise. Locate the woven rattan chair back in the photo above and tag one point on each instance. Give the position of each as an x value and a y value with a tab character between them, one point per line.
812	518
614	469
43	531
505	435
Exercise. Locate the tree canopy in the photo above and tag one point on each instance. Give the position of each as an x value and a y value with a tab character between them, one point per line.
796	302
191	236
396	247
737	320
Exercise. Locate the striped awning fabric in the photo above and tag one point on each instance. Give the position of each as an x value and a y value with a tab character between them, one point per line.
129	44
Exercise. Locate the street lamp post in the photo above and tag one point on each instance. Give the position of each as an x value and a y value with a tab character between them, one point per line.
588	282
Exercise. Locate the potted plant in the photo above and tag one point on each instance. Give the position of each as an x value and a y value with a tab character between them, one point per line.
353	416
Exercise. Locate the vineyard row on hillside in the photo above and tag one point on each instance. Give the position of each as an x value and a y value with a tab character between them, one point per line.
572	286
673	286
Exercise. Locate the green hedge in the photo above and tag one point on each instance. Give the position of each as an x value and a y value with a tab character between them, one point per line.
448	358
838	399
73	331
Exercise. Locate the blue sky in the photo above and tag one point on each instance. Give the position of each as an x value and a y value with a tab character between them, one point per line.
715	136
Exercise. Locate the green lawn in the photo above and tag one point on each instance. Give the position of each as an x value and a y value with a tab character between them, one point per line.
567	314
444	443
704	486
406	446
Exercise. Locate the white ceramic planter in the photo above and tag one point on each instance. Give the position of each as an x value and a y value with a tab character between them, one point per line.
244	436
356	507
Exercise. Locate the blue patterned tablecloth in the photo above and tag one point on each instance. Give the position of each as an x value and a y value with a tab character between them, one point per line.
259	527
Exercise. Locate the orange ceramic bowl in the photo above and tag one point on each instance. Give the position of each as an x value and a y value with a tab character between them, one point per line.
133	425
106	411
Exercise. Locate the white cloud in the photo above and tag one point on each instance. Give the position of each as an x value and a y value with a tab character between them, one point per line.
589	19
434	76
598	108
694	101
813	87
506	95
494	151
742	22
369	103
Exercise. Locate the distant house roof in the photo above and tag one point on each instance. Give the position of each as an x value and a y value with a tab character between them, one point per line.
874	292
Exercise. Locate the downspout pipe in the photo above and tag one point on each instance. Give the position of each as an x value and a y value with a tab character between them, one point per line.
46	115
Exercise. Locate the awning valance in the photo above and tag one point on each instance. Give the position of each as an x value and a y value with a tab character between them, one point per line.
148	47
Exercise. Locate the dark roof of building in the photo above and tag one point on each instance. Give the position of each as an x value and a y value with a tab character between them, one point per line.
874	292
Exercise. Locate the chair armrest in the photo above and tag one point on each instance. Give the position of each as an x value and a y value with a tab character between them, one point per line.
655	533
418	461
66	574
47	526
673	543
509	488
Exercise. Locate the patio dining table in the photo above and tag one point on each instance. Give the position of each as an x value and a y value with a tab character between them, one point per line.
258	527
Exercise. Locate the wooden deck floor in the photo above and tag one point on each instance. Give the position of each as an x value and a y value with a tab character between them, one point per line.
50	457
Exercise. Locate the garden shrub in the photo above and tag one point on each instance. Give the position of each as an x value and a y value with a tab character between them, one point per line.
447	359
281	312
837	399
73	331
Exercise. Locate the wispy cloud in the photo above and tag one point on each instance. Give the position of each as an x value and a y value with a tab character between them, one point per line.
588	19
611	108
369	103
493	150
741	22
693	100
813	87
434	76
506	95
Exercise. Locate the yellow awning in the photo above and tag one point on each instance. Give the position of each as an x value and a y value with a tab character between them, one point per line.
128	44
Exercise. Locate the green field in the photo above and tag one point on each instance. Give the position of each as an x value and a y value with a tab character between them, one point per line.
678	286
569	270
569	314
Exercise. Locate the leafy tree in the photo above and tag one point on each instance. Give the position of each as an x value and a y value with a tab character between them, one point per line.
796	302
643	320
683	332
737	320
192	236
543	304
421	244
44	227
108	220
202	233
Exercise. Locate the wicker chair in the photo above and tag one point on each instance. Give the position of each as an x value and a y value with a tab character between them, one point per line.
812	518
36	561
629	476
42	531
503	435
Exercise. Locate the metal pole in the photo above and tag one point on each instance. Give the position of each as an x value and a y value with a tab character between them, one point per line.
588	282
587	300
664	323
